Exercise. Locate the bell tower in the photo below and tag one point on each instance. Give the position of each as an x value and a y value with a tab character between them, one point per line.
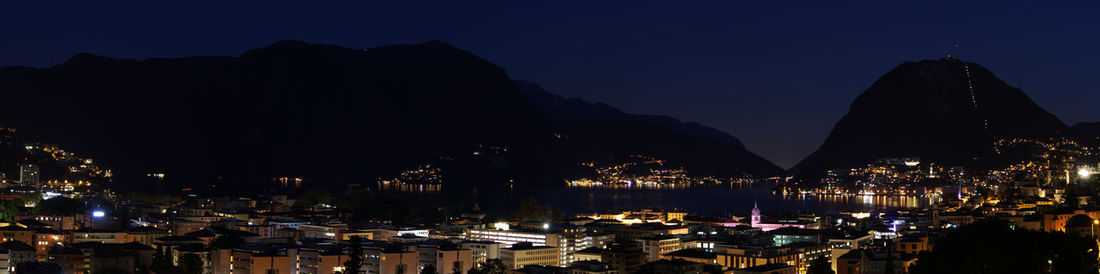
755	215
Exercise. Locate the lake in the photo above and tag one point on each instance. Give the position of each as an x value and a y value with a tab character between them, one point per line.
737	199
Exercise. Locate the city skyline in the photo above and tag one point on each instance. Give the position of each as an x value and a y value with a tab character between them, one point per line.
640	137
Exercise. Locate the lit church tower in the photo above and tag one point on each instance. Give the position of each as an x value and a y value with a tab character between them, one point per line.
755	215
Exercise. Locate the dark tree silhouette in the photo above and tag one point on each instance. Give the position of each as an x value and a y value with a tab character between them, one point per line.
355	256
59	206
428	269
991	246
191	263
492	266
8	210
313	197
159	258
820	266
457	269
530	210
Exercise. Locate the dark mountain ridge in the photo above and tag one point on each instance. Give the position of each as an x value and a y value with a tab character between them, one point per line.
330	114
1088	128
928	109
609	131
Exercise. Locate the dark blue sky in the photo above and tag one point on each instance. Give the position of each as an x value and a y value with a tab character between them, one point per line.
777	74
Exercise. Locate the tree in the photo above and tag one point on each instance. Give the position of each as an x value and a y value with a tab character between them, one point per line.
457	268
530	210
191	263
162	261
159	258
355	256
428	269
60	206
492	266
313	197
889	260
820	266
30	197
992	246
8	210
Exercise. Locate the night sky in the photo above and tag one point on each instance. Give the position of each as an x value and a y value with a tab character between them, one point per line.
777	74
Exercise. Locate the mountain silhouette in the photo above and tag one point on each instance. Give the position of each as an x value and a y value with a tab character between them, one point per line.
330	114
606	131
1088	128
928	109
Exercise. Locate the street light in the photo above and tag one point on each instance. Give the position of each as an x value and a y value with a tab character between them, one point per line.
1083	173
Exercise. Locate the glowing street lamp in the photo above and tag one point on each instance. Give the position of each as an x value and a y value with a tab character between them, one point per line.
1084	172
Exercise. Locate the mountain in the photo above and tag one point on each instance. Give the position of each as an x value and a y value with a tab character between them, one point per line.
928	109
606	130
328	114
1088	128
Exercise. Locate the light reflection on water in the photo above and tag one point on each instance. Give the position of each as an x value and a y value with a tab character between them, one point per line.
733	199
